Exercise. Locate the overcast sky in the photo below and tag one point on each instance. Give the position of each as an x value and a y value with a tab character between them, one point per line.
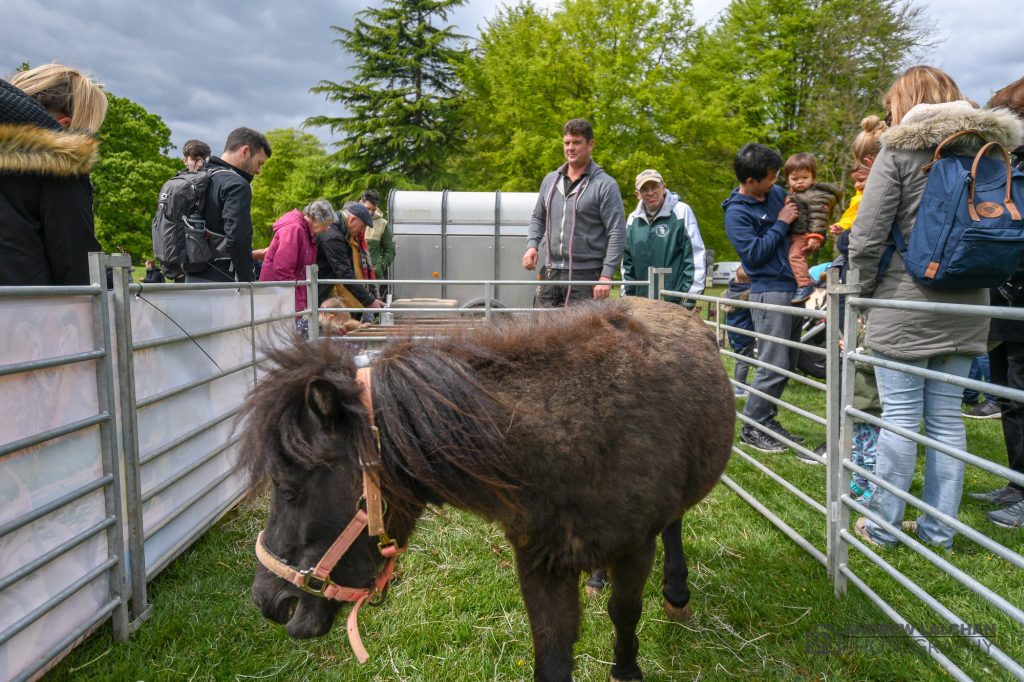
207	67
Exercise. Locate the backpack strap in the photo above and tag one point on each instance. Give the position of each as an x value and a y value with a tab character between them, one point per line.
938	149
1008	201
899	244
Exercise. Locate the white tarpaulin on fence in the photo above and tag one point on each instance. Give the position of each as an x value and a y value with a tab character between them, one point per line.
35	402
186	482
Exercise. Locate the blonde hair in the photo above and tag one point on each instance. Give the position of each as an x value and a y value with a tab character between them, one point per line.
866	143
919	85
65	90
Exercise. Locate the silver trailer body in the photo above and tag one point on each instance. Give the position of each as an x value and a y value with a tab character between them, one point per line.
461	236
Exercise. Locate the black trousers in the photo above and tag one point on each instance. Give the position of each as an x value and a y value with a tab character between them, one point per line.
558	297
1007	366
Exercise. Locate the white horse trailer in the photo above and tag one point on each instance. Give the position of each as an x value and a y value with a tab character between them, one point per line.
461	236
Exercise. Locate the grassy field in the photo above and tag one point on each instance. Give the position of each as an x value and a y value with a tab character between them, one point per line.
455	613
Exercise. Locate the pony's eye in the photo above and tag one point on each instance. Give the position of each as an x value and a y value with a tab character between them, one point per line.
287	492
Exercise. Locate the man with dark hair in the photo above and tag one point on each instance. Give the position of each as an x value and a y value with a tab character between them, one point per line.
228	201
194	154
757	219
379	238
580	219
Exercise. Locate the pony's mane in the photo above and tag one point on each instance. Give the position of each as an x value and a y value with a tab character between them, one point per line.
442	430
439	427
274	410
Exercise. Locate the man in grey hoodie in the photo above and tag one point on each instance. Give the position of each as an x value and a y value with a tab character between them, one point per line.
581	221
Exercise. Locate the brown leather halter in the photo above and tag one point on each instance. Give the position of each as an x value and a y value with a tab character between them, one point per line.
317	580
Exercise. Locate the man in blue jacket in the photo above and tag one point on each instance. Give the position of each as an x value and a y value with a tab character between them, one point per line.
757	218
580	219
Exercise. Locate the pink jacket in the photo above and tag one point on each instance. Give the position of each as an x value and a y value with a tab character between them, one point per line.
291	250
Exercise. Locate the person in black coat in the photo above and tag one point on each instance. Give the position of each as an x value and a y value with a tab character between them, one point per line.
153	274
48	119
338	250
1006	357
228	205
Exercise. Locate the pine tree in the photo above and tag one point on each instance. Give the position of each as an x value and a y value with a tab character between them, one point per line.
401	105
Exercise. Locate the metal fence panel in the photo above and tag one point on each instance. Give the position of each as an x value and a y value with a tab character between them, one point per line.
185	488
48	538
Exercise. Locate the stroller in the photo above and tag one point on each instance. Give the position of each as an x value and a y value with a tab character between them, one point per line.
813	331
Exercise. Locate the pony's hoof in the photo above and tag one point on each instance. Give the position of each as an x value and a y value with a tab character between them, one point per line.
678	614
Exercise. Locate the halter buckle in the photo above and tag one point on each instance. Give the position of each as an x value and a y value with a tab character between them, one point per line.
379	598
314	584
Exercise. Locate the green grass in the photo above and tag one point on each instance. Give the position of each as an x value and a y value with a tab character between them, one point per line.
455	613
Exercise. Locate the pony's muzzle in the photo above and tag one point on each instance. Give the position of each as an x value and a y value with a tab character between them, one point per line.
279	608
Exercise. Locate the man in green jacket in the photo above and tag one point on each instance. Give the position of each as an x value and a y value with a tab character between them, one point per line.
379	238
662	233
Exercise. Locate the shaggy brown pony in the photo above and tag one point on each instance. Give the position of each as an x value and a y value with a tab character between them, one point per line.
585	434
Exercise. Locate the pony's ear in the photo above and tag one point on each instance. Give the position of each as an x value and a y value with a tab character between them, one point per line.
323	399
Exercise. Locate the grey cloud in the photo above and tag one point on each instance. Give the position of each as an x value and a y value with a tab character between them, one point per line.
207	67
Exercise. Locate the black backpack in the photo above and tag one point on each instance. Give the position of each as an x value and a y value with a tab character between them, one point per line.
180	237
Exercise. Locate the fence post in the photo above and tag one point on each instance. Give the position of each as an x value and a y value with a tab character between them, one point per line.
833	411
840	327
122	266
488	292
105	395
312	301
655	282
851	327
252	332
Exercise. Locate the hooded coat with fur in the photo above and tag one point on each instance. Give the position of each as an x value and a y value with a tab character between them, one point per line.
46	219
893	193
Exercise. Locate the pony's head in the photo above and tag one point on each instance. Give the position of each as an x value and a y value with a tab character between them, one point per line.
305	430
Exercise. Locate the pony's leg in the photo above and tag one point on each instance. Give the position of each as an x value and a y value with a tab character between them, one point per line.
673	586
625	604
553	606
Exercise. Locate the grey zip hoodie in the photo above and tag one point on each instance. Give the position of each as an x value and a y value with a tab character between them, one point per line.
585	229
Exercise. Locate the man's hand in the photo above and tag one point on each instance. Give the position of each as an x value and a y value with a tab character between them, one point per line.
377	303
835	229
530	258
602	290
789	211
259	254
813	245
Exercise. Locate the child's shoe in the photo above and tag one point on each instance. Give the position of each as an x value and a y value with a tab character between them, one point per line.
864	498
802	294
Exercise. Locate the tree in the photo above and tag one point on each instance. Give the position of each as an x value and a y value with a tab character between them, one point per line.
295	175
608	62
133	166
402	103
796	74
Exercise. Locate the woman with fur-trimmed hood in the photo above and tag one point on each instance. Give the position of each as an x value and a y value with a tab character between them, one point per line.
926	106
48	119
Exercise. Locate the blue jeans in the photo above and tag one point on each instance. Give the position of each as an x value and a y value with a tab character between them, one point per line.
906	400
980	372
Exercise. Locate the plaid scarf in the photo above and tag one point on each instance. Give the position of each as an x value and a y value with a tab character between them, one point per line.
361	251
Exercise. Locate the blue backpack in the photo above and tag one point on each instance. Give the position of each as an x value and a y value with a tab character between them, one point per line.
969	233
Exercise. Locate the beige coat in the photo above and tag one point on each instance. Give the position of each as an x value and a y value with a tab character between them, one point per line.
893	193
